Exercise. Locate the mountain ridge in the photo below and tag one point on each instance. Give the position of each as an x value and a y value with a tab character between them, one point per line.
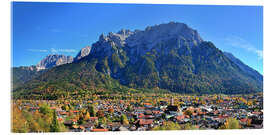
244	67
23	74
158	57
53	60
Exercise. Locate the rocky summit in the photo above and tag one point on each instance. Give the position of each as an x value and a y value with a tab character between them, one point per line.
84	52
53	60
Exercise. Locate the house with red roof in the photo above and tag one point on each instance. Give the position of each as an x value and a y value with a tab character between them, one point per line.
99	130
145	122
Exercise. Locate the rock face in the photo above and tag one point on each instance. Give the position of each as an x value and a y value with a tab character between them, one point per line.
53	60
139	42
168	56
83	53
154	35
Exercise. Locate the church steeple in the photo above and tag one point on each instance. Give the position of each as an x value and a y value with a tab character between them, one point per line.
172	101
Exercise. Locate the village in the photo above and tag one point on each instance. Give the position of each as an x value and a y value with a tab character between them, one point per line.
151	112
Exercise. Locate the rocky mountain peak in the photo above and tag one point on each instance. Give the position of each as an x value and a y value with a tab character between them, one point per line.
84	52
125	32
161	32
144	40
102	38
53	60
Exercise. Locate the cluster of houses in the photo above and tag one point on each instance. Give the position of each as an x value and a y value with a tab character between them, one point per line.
146	116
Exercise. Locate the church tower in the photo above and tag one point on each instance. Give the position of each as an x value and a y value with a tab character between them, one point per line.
172	102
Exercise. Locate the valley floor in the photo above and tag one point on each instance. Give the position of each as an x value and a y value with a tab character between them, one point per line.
139	112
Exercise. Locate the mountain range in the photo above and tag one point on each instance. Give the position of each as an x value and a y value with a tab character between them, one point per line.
169	56
23	74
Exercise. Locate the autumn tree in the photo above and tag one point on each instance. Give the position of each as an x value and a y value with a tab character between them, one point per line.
129	108
65	107
87	116
92	111
231	123
188	112
189	126
100	113
55	125
124	119
103	120
168	125
80	118
110	110
45	109
19	123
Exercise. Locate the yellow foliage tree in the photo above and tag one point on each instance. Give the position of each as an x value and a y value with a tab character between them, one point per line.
231	123
168	126
124	119
87	116
19	123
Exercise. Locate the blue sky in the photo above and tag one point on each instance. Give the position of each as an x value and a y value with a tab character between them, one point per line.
41	28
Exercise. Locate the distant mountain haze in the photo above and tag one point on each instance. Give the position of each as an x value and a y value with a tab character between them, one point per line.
169	56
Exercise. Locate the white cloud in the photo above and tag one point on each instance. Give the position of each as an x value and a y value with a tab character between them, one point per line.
239	42
53	50
260	53
37	50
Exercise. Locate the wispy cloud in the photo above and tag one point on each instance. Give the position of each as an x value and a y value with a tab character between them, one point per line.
53	50
239	42
37	50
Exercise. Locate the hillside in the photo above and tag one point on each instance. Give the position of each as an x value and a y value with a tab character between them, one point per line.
168	56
